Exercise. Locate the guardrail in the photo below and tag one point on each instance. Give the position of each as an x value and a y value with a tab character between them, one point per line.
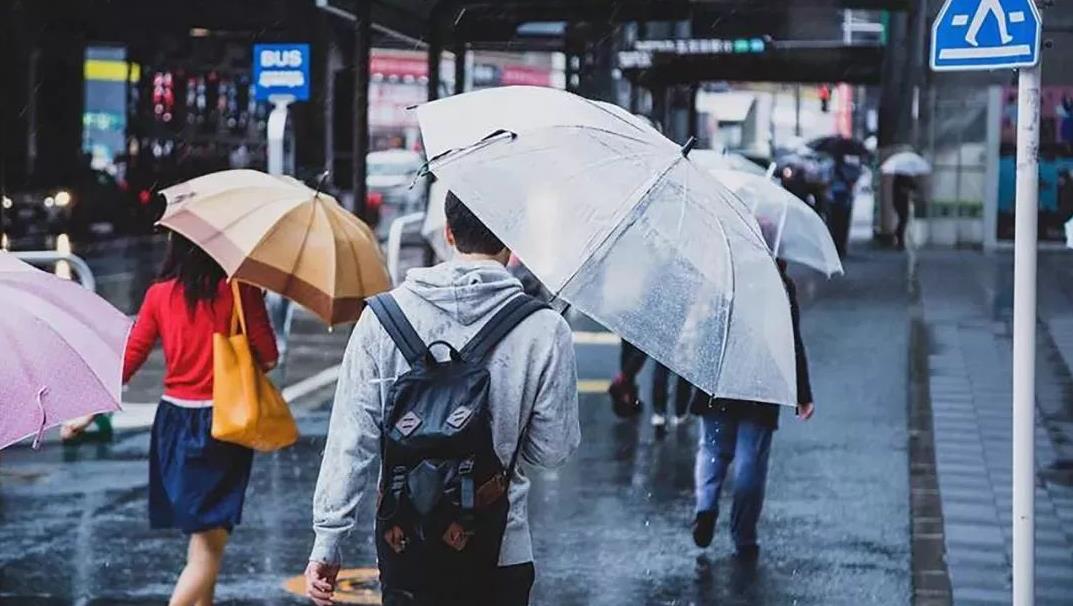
394	242
42	257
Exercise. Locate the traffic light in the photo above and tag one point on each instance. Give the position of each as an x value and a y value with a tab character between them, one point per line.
825	98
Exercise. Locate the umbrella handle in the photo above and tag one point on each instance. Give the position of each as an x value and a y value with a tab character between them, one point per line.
44	418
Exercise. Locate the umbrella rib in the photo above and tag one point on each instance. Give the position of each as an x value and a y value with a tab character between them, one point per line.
451	155
302	247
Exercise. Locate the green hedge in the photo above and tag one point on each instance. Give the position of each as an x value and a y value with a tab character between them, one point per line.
951	209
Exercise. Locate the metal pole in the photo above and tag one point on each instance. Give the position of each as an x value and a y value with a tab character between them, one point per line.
362	44
460	65
693	115
797	110
1024	335
435	52
277	132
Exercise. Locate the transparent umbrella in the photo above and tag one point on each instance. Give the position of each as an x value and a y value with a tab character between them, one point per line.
906	163
793	230
613	218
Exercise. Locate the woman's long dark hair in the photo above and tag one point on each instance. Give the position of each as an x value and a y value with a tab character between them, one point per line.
199	273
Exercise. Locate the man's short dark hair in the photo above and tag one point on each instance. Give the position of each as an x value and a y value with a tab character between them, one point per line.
471	236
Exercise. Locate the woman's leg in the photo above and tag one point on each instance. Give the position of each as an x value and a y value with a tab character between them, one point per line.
901	208
683	394
197	583
660	378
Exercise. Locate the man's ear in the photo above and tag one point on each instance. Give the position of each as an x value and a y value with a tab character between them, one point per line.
449	236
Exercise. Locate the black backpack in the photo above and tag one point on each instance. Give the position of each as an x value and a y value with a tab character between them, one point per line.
443	494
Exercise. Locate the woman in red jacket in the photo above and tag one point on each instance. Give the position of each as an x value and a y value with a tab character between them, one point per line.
196	483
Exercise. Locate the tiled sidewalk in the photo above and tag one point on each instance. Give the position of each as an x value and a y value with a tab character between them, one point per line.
963	298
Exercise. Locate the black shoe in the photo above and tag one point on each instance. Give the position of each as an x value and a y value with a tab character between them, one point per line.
704	528
624	400
748	554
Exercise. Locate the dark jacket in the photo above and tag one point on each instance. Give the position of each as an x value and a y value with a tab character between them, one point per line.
766	414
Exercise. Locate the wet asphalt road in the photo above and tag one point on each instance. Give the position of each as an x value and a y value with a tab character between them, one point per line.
610	528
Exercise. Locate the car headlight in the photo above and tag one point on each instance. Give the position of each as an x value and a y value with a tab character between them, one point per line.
49	202
787	172
8	202
63	198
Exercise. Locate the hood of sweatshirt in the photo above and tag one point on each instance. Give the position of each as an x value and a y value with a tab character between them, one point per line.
467	291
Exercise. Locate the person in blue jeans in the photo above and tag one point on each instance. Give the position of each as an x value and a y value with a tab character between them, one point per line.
740	432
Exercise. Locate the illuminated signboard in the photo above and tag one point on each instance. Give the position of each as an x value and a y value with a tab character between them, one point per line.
644	50
281	70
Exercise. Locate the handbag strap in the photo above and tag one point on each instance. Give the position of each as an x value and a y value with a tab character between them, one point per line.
238	315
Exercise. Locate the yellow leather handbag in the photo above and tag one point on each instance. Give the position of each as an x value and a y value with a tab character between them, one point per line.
247	407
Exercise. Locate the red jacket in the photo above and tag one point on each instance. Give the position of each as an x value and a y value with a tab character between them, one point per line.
187	338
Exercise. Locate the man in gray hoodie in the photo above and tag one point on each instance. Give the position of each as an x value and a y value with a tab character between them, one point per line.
532	371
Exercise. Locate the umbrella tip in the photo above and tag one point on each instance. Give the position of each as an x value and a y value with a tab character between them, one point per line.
321	181
688	147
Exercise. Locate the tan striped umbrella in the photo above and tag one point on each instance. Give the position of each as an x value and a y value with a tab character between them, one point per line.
277	233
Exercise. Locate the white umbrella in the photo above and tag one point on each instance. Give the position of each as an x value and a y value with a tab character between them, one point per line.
614	219
793	230
906	163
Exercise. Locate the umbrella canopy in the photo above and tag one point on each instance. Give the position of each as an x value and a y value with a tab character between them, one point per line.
906	163
279	234
61	355
715	160
793	230
839	146
614	219
462	134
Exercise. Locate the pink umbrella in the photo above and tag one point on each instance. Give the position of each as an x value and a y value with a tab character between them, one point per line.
61	352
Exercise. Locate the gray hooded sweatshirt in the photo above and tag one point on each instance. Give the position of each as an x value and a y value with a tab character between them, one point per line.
532	369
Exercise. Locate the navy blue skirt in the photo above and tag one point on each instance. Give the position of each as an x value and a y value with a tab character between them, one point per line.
196	482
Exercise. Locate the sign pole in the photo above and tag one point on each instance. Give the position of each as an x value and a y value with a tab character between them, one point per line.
277	131
1024	335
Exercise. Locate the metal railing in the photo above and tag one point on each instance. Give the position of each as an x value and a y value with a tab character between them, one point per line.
394	242
51	257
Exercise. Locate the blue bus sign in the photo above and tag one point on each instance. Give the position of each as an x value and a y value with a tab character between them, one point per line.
985	34
281	70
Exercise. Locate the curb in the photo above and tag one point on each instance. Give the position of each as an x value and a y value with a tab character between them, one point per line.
930	576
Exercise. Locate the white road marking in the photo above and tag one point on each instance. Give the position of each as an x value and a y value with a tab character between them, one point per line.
582	337
308	385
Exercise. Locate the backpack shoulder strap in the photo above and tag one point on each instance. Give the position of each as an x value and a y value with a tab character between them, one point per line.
504	321
400	330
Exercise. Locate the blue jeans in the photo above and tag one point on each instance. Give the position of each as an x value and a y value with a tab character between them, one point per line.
725	438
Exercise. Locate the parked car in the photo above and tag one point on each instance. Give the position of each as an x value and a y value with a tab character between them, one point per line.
89	206
392	192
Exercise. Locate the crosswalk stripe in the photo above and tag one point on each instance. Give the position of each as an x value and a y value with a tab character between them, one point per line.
582	337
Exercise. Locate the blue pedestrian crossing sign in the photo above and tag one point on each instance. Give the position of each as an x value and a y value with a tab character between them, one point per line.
985	34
